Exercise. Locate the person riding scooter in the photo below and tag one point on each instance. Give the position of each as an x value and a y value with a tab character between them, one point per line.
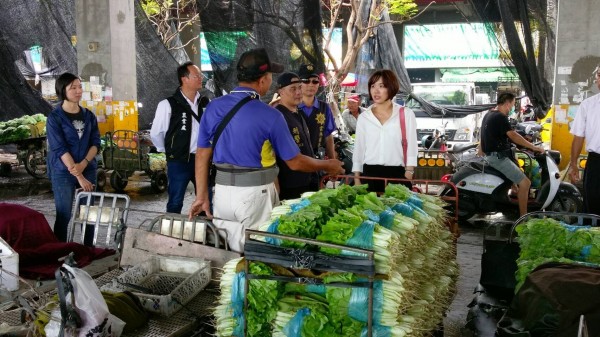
496	135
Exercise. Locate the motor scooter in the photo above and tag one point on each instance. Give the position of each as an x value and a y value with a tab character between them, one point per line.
483	189
436	140
344	145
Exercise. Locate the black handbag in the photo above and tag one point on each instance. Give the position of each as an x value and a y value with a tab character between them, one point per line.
499	258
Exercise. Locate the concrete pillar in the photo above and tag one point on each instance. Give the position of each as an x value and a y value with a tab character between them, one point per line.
106	51
577	50
123	57
577	55
106	45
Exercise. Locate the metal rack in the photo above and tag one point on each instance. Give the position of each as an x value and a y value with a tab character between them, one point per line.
199	229
295	258
576	219
100	211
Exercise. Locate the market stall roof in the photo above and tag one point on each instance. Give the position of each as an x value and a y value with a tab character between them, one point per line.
450	45
463	75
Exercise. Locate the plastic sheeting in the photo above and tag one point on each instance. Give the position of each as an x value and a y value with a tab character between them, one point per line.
523	57
22	27
382	52
155	66
232	27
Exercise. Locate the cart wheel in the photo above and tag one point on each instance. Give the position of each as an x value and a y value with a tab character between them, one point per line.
117	182
35	163
100	179
160	181
5	169
566	203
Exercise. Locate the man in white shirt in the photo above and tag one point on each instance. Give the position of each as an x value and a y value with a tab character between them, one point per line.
350	115
175	132
585	128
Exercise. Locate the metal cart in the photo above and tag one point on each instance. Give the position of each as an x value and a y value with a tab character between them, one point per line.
363	264
103	213
31	153
127	152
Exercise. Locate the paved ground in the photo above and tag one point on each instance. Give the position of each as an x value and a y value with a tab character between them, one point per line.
36	194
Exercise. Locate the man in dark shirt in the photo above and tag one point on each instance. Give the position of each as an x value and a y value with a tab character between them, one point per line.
496	135
293	183
319	117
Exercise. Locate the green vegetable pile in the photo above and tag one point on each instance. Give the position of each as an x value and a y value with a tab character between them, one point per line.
548	240
414	258
22	128
157	161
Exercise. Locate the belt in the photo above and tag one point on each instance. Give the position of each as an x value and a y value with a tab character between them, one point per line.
246	177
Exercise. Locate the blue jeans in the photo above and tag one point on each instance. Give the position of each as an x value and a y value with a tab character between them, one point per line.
179	174
63	187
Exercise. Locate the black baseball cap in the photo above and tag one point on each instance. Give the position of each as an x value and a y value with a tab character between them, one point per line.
307	71
255	63
286	79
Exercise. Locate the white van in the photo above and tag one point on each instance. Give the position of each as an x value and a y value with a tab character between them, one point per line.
457	129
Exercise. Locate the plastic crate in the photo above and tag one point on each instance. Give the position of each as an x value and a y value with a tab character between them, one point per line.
9	261
164	284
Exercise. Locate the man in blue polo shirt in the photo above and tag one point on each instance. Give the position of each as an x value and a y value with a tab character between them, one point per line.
244	154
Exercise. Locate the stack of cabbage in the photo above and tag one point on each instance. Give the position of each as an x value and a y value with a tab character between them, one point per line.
548	240
414	258
22	128
157	161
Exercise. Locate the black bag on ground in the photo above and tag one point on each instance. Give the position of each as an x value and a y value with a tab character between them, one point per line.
499	260
551	301
128	308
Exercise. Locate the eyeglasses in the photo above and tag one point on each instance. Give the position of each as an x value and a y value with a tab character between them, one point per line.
195	76
307	81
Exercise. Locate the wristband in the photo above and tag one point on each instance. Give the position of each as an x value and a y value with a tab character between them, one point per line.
410	171
84	158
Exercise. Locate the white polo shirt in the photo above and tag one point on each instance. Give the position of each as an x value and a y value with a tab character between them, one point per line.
587	123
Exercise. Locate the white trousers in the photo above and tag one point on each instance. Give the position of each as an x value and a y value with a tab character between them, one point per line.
241	208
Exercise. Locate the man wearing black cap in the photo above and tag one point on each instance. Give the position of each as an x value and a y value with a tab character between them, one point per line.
293	183
319	119
242	135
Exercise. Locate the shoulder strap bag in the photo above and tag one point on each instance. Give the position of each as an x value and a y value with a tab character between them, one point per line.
212	174
403	130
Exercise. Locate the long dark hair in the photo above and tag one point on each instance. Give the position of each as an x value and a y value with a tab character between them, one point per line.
61	84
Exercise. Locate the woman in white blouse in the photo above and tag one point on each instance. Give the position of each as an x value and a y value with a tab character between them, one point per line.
378	148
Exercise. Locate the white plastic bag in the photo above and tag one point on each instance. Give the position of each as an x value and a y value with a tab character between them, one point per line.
91	307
